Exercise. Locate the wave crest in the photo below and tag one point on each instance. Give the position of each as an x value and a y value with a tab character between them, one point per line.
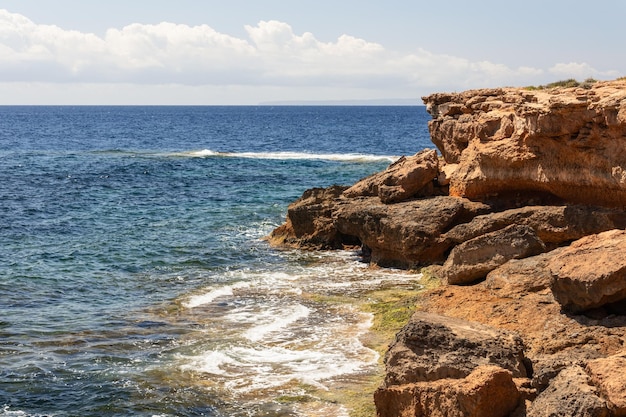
347	157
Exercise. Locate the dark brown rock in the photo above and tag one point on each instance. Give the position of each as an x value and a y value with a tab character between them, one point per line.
309	222
569	394
547	367
432	347
475	258
404	234
403	180
552	224
591	272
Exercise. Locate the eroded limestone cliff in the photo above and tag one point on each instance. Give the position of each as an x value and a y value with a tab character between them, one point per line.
522	218
568	143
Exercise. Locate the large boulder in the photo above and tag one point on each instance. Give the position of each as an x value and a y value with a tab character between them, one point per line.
489	391
477	257
432	347
569	394
519	277
568	142
591	272
309	222
401	181
404	234
552	224
608	374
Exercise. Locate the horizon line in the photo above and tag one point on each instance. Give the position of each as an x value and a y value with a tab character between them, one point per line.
264	104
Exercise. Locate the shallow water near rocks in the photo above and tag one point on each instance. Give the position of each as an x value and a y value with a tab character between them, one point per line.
134	279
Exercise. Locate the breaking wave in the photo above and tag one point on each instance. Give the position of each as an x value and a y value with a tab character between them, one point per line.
347	157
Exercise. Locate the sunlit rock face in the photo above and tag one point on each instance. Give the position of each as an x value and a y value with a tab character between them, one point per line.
569	143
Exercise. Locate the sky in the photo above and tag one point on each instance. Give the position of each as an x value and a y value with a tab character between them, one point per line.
242	52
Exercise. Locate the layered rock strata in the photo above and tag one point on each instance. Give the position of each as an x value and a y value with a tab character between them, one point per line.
567	143
522	217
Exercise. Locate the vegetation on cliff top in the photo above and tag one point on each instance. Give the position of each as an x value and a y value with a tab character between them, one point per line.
569	83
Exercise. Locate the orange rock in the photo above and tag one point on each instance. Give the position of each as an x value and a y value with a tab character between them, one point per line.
489	391
608	374
568	142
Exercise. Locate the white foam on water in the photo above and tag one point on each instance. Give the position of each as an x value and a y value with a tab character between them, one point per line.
278	320
308	366
348	157
203	153
209	297
282	342
325	410
265	282
213	362
251	368
280	334
7	412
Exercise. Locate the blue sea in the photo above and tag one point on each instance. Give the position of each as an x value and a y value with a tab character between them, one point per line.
134	278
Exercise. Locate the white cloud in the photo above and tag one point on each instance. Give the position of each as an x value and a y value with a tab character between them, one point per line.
174	48
427	69
170	53
272	56
580	71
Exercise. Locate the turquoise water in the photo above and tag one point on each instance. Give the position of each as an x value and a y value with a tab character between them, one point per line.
133	275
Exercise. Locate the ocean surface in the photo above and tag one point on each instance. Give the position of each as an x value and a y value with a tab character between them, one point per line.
134	278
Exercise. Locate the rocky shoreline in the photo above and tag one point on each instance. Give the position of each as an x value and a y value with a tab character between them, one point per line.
521	215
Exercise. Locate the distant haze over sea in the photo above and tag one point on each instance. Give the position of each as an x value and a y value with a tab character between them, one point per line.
373	102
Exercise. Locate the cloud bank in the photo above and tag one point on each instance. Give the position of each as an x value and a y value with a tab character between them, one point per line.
271	56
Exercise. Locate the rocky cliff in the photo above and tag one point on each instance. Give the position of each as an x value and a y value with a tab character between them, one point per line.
522	218
566	143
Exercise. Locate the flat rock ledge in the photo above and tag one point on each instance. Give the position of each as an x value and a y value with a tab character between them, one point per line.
522	217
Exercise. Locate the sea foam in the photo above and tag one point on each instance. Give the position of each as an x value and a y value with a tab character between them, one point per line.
274	321
347	157
209	297
273	333
250	368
